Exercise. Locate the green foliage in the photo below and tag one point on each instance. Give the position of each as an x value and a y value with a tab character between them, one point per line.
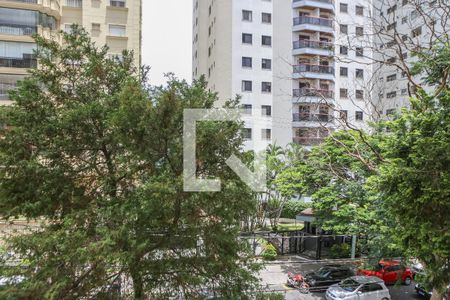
270	252
340	251
100	158
293	207
270	296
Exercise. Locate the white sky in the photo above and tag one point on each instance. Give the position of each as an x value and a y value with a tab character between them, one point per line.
167	38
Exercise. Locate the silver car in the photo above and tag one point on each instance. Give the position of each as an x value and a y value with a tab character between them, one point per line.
359	288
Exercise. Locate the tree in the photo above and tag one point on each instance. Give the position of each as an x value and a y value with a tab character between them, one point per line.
99	158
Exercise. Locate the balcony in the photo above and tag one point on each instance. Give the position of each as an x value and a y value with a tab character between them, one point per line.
310	92
7	62
313	71
309	117
308	141
74	3
13	29
313	48
25	1
323	4
307	23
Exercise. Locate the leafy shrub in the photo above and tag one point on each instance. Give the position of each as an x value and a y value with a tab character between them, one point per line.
270	296
269	253
340	251
292	208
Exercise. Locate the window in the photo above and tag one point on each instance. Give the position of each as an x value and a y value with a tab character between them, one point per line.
117	30
343	28
391	77
343	93
404	92
247	38
247	86
359	10
117	3
246	109
414	14
247	15
390	111
266	134
359	115
343	7
359	51
266	87
266	18
391	26
247	134
359	31
416	32
343	114
17	54
266	64
404	37
95	26
246	62
266	40
266	110
392	9
359	73
343	71
359	94
392	60
343	50
391	95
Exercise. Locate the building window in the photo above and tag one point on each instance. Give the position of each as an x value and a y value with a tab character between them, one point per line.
246	109
247	15
359	73
392	9
359	94
343	93
117	30
266	110
343	50
391	77
416	32
247	134
266	134
117	3
73	3
343	28
359	10
246	62
266	18
343	114
359	31
266	87
390	112
359	51
247	86
392	60
247	38
391	95
343	8
343	71
96	27
359	115
266	64
17	54
266	40
404	92
391	26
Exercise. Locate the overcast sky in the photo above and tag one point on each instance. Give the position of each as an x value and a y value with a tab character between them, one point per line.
167	38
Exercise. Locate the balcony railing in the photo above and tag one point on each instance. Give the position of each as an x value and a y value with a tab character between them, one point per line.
313	44
13	29
322	1
308	141
25	1
309	92
18	62
74	3
313	21
314	69
308	117
117	3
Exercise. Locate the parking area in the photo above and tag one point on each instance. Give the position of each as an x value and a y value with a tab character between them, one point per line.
274	276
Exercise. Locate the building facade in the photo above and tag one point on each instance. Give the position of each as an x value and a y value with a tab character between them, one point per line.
116	23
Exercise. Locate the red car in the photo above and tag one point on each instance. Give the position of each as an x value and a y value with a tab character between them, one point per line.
391	271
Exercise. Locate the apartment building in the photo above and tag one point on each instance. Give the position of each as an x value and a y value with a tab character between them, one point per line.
285	61
116	23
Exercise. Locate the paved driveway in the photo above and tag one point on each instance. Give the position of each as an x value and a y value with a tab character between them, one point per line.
274	275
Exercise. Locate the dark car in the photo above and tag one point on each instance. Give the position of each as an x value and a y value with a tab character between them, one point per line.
327	276
425	293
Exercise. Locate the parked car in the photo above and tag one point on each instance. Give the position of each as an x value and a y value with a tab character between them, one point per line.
425	293
391	271
327	276
359	288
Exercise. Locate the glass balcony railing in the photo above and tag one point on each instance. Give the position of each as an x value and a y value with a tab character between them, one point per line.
321	1
18	62
308	117
313	44
74	3
25	1
310	92
13	29
322	69
313	21
308	141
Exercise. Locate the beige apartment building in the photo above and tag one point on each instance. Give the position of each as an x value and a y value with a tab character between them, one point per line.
116	23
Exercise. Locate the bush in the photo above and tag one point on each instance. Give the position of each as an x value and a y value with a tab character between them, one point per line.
270	296
269	253
340	251
292	208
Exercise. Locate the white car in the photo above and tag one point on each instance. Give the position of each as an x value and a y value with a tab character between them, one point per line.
359	288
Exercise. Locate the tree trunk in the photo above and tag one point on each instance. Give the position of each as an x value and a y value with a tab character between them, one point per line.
436	295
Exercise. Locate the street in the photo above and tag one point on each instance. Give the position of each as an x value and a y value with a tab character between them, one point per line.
274	276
